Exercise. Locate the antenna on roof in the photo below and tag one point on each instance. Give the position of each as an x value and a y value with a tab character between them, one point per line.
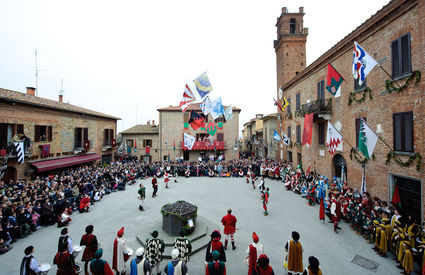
61	92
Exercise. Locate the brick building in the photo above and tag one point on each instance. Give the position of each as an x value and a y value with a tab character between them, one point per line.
57	134
144	137
173	123
395	37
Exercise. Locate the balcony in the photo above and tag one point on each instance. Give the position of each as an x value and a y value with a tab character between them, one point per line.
320	106
206	146
10	152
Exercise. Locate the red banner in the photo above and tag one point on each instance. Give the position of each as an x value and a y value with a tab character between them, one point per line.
308	129
148	150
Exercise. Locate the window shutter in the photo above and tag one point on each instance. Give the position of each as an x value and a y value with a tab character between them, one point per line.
318	90
20	128
289	132
111	136
395	58
36	133
86	134
289	104
357	131
298	103
397	132
408	132
405	54
76	138
49	133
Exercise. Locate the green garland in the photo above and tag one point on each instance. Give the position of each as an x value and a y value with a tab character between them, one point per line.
183	219
354	153
352	96
298	145
299	113
390	87
416	156
288	115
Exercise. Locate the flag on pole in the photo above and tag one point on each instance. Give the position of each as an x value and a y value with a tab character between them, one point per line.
135	146
211	128
203	85
333	81
363	63
396	196
19	148
187	98
276	136
174	146
228	113
367	139
283	105
333	138
205	105
363	188
216	108
188	141
308	129
196	120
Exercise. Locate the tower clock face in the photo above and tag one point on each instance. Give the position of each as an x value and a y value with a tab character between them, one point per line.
280	93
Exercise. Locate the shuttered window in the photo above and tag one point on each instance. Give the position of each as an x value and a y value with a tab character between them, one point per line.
298	102
49	133
321	134
20	129
288	108
321	90
400	56
403	131
42	133
289	132
298	134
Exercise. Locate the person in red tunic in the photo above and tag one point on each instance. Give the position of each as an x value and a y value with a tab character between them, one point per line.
64	261
229	222
263	267
215	244
336	213
166	179
85	204
90	242
254	250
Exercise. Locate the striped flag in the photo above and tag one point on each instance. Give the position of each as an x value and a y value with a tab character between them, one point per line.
187	98
19	148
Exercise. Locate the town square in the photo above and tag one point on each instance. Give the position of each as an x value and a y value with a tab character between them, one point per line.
212	137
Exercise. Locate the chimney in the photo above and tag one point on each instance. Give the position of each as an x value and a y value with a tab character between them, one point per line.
301	9
153	122
60	98
149	122
284	10
31	91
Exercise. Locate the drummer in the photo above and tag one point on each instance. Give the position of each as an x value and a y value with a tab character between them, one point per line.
64	238
29	263
64	260
90	241
99	266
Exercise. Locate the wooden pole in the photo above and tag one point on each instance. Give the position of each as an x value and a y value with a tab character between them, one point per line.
389	75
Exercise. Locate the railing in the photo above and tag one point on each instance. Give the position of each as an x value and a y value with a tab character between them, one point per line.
320	106
10	152
206	145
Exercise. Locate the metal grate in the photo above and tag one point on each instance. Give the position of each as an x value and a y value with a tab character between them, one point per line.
365	263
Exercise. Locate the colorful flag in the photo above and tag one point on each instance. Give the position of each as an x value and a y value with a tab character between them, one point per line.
228	113
174	146
283	105
396	196
286	140
205	106
188	141
367	139
333	138
363	63
276	136
203	85
308	129
20	153
308	168
211	128
363	189
216	108
187	98
135	146
333	81
196	120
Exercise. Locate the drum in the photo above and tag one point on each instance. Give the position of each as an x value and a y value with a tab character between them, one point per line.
77	250
129	251
77	269
44	268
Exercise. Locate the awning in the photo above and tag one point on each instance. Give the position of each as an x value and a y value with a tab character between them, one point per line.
51	164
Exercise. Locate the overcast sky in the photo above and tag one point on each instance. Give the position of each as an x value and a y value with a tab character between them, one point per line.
128	58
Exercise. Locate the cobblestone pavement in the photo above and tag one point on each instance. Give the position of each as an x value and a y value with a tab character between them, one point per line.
287	212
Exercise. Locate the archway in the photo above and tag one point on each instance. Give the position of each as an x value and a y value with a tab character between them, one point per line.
340	167
10	174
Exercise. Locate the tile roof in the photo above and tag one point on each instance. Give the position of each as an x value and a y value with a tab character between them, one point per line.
193	106
24	98
142	129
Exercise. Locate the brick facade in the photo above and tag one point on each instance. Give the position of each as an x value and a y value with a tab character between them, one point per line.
396	19
139	137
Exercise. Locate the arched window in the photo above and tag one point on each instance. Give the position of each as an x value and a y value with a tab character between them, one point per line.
292	25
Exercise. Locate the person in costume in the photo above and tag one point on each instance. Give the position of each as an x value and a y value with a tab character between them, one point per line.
407	262
120	253
262	185
295	254
140	265
154	186
29	264
265	197
313	267
263	266
175	266
64	218
141	195
253	179
84	204
336	213
154	249
248	175
90	242
64	261
229	223
215	244
216	267
184	246
64	238
99	266
254	250
166	179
